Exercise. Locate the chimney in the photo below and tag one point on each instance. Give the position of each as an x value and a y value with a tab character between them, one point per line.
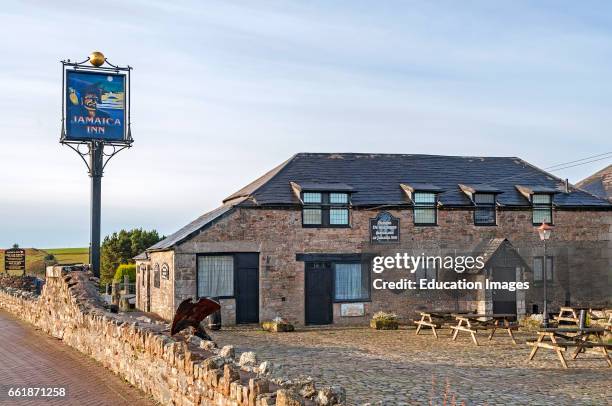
567	186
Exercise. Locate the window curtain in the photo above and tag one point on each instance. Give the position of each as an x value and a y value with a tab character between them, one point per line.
215	276
348	282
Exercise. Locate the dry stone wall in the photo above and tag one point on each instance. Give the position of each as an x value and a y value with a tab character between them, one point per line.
182	370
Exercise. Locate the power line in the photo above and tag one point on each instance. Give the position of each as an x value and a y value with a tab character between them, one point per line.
578	160
561	166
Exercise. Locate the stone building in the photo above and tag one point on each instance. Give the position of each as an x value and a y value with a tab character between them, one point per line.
599	183
300	241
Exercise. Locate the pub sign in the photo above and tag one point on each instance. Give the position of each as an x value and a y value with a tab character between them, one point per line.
384	228
95	106
14	259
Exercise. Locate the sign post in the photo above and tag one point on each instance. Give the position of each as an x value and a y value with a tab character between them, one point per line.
95	116
14	260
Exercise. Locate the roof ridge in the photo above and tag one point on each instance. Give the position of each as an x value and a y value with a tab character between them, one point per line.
245	192
399	154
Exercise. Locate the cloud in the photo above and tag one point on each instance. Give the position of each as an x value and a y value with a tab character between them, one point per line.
223	91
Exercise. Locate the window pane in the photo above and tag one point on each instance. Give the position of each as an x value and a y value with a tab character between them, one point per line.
484	215
215	276
424	198
424	215
541	199
549	268
338	198
542	215
338	216
349	282
312	216
310	197
537	269
484	198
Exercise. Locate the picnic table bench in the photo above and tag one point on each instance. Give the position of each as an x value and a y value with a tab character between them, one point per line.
473	322
572	314
567	337
435	319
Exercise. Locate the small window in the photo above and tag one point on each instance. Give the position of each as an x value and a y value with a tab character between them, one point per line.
538	269
338	216
312	197
216	276
542	208
425	272
425	211
156	277
351	282
339	198
312	216
484	213
325	209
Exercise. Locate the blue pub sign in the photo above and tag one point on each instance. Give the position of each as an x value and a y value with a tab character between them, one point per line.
95	106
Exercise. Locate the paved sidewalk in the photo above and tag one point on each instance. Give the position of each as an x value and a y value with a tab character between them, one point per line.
399	368
30	358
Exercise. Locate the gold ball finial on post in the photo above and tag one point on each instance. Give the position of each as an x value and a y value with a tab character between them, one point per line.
97	58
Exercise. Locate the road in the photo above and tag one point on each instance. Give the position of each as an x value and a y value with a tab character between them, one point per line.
31	358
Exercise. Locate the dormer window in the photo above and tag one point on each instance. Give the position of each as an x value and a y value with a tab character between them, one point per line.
542	208
484	213
325	209
425	209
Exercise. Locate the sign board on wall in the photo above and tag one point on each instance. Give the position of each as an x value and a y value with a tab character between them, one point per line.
384	228
352	309
165	271
95	106
14	259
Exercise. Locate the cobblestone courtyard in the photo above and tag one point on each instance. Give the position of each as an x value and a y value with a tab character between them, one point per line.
399	368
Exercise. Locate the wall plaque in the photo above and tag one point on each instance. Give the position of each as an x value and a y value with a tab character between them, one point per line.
14	259
165	271
384	229
352	309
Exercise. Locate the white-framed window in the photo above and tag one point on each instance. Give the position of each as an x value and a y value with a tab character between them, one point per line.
215	276
425	209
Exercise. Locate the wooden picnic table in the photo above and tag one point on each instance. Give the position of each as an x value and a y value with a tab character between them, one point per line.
472	322
565	337
571	314
435	319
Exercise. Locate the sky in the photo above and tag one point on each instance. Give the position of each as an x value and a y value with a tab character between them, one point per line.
224	91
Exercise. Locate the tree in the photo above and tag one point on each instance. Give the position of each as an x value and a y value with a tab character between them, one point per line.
125	269
120	248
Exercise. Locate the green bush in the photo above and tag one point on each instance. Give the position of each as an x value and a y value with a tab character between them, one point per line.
120	248
125	269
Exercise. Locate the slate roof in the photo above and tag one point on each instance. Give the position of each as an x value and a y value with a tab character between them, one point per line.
192	228
599	184
376	179
489	248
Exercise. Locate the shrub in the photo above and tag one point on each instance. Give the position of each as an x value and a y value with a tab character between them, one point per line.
125	269
383	316
384	321
120	248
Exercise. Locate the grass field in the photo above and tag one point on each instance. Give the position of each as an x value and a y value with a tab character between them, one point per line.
35	264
